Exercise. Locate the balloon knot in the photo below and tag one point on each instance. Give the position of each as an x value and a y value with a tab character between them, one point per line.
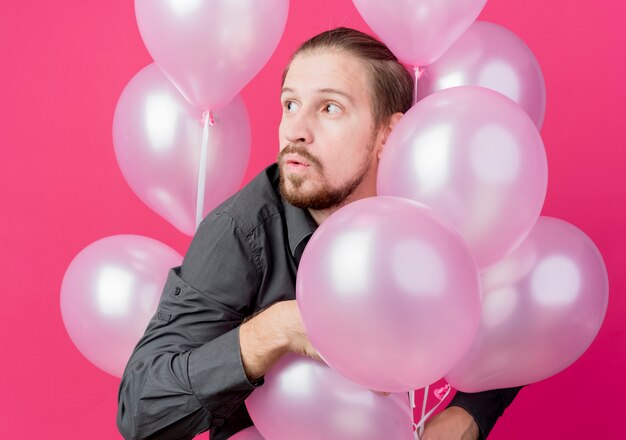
440	393
419	71
208	117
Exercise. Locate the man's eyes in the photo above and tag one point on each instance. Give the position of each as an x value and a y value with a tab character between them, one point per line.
291	106
330	108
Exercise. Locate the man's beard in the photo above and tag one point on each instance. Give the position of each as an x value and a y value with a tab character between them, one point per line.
324	197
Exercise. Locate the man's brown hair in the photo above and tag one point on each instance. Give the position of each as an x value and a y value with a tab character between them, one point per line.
392	84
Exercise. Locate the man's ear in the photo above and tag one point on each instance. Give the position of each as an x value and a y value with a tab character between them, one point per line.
393	120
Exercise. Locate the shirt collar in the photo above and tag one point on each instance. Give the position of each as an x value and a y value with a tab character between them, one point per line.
300	224
300	228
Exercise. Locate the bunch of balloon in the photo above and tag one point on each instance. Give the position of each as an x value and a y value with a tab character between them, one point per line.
205	53
181	133
476	157
448	272
470	149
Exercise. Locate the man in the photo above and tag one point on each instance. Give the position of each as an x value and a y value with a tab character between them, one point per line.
228	313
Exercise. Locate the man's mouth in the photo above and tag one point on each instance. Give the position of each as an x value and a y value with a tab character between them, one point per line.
296	158
296	163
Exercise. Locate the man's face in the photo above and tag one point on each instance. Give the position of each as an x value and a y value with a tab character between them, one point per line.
328	144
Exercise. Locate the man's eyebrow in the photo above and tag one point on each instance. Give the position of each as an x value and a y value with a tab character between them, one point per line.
336	92
324	90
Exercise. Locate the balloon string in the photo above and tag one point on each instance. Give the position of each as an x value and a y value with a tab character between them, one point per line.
439	393
421	428
412	400
207	120
418	73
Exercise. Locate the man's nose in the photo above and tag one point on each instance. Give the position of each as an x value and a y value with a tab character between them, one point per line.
298	129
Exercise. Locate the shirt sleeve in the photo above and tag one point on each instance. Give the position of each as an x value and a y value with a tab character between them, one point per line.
186	374
486	407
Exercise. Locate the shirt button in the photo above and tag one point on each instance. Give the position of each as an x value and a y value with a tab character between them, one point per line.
176	290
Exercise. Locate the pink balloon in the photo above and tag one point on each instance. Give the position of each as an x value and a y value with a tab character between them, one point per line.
211	49
491	56
376	282
306	400
543	306
476	157
419	31
250	433
157	137
110	291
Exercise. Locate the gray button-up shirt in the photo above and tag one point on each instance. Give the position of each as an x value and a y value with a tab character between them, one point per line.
186	375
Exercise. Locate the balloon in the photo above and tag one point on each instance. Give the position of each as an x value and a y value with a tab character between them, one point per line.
110	291
476	157
158	136
419	31
250	433
211	49
376	281
543	306
306	400
491	56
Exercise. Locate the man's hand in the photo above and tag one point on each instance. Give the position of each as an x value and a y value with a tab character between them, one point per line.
453	423
269	335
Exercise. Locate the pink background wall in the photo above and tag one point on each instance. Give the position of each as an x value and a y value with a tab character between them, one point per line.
64	65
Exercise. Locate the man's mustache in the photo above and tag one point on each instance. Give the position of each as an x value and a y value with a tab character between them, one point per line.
300	151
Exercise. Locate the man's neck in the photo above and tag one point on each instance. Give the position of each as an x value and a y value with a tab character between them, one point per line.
320	215
368	190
